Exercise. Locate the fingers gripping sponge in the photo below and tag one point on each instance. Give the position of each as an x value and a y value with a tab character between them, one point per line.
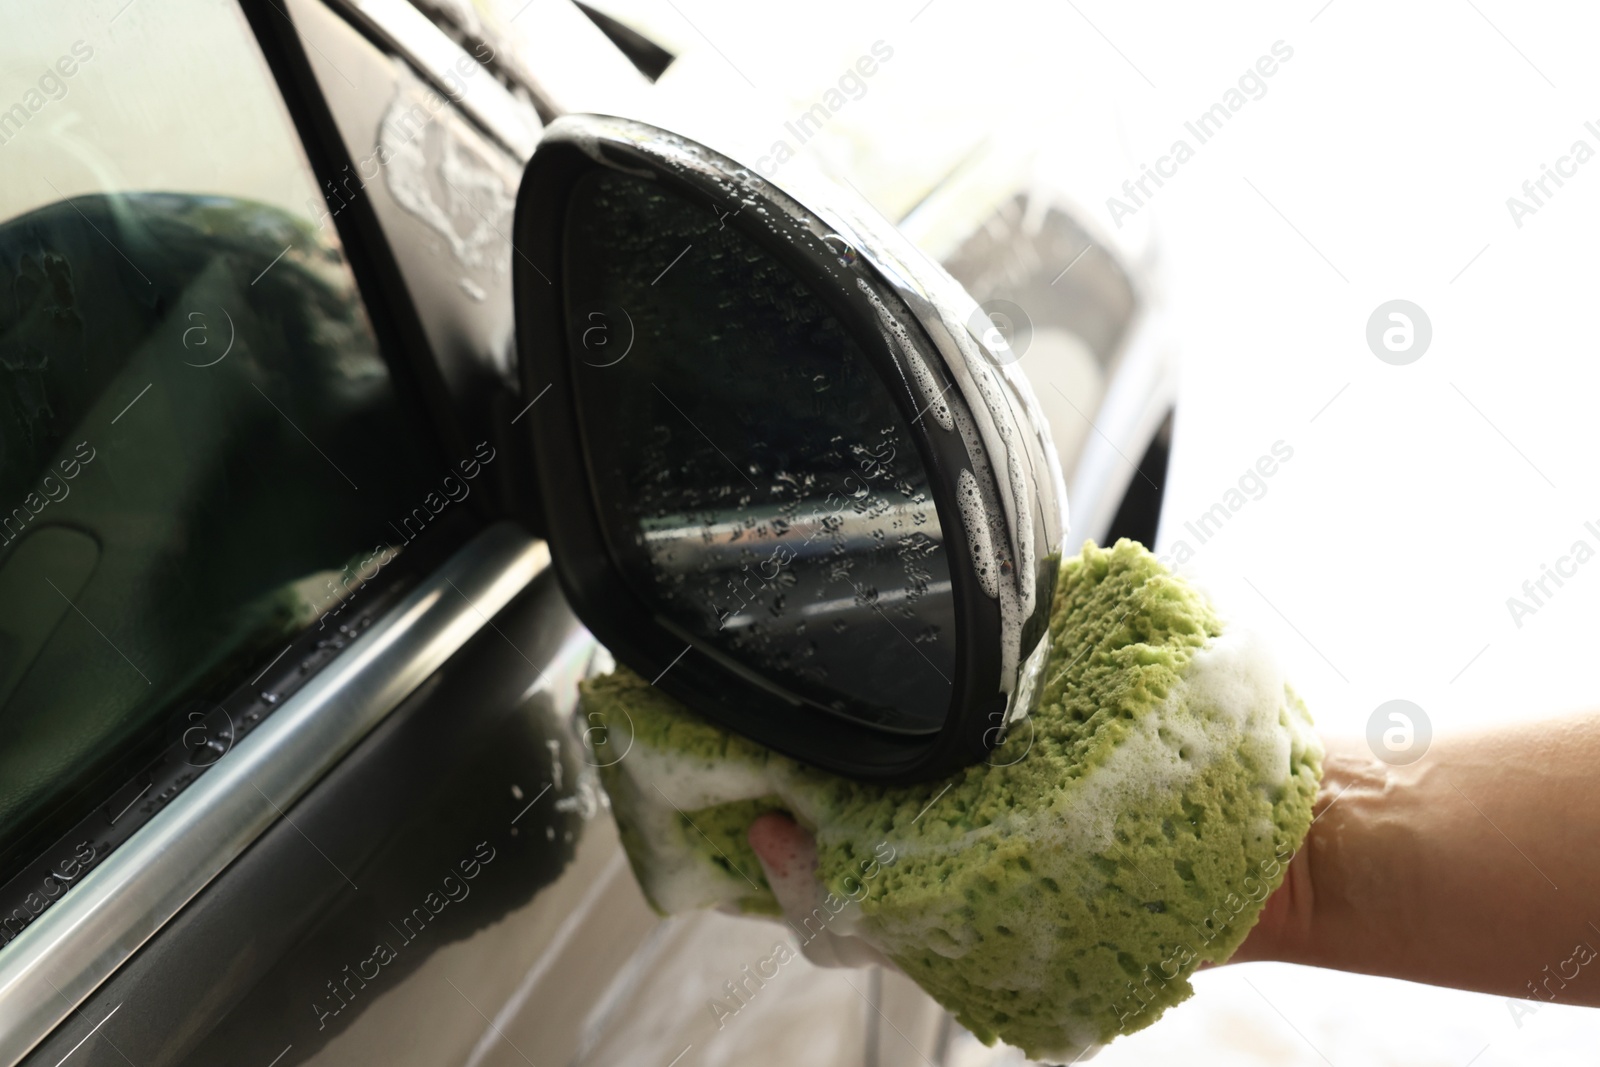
1059	894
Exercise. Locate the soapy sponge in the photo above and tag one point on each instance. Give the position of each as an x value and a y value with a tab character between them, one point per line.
1060	893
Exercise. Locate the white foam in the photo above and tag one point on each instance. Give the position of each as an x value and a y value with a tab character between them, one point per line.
982	512
656	786
975	517
927	386
1230	703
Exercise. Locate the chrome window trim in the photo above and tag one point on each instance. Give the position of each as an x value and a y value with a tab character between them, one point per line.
65	954
410	33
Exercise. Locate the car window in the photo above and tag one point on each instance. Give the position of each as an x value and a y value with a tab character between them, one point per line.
202	451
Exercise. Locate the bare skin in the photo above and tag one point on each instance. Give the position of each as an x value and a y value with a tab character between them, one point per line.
1476	867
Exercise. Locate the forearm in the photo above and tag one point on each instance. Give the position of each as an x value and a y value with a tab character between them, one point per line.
1477	867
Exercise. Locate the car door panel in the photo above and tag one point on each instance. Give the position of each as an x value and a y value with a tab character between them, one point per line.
419	841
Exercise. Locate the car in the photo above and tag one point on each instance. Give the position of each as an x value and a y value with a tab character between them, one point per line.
292	764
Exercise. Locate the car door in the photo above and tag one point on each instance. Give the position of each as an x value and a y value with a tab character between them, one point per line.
278	687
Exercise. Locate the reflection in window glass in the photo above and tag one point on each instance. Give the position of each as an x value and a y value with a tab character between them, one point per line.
200	443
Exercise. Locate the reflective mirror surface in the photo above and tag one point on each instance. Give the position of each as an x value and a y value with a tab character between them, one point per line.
756	484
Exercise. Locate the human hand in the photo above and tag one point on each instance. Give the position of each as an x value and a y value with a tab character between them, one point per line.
788	855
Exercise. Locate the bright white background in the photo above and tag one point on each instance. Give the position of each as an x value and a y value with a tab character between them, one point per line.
1419	498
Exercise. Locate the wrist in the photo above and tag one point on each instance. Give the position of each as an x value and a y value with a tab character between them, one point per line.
1294	923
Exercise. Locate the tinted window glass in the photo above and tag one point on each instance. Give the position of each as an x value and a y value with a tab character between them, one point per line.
201	449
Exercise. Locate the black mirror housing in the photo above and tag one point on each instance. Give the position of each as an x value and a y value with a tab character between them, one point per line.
856	573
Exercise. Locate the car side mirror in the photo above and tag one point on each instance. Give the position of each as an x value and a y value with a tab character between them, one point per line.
782	475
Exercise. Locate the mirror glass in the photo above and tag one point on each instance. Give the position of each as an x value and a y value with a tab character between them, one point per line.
757	485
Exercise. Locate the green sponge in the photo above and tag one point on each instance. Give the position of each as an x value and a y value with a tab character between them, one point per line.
1062	892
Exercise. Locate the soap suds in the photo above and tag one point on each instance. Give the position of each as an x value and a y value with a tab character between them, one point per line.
927	386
